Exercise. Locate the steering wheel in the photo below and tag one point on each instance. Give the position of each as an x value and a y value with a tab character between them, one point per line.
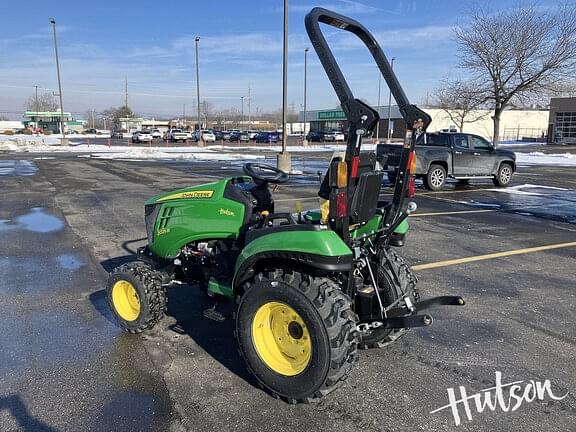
262	173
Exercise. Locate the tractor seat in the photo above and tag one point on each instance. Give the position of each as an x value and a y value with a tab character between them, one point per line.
256	198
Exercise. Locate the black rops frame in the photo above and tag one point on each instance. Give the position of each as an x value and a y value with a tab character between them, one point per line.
362	117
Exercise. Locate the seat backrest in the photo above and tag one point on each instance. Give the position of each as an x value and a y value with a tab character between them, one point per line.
365	199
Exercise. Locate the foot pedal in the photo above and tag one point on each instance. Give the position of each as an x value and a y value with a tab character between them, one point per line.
214	315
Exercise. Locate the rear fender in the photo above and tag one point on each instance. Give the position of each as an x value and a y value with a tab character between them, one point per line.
322	250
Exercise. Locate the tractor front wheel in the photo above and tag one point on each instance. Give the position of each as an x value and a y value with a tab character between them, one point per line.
297	334
395	280
136	296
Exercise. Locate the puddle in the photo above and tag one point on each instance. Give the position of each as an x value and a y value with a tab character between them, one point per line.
6	225
474	203
40	221
546	202
16	168
69	262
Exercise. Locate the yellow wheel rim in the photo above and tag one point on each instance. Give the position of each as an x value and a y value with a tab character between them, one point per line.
281	338
126	300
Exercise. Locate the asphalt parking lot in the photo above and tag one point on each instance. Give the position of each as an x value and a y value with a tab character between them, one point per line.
65	221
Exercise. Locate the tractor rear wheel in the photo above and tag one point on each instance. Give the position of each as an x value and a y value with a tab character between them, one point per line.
297	334
395	279
136	296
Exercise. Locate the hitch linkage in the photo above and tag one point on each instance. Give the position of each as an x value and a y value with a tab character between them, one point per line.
397	318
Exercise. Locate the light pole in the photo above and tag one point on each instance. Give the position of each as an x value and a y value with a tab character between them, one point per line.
283	161
63	140
241	112
198	87
36	100
305	141
388	139
36	105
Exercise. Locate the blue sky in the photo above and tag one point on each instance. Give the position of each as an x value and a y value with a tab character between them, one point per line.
152	44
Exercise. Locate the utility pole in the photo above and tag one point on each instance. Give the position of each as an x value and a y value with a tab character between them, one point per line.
305	141
184	113
63	141
390	106
241	112
37	105
284	161
198	85
126	92
249	109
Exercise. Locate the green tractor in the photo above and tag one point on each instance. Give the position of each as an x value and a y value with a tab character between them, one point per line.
305	293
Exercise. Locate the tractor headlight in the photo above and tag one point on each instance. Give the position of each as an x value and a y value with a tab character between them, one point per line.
150	214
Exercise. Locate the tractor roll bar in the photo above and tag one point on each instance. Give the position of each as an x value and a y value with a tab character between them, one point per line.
362	117
320	15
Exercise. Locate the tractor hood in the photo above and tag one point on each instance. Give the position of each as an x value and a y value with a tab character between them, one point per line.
176	218
205	191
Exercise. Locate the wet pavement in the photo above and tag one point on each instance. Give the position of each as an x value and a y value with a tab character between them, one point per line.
66	366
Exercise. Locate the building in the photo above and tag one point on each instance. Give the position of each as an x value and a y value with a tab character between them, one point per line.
562	121
329	119
10	125
50	121
130	124
515	124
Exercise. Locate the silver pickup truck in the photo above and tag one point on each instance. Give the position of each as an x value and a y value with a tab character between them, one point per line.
456	155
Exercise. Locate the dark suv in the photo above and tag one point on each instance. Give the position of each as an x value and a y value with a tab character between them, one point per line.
265	137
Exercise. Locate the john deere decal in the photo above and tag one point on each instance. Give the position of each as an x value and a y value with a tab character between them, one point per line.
186	195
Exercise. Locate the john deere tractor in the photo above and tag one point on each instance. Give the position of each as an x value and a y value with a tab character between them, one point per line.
305	292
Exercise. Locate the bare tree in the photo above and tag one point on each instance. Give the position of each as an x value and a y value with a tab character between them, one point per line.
461	101
518	54
207	109
113	115
46	102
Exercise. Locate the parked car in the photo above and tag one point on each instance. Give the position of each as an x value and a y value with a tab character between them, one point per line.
315	136
457	155
176	135
117	134
252	134
207	136
92	131
266	137
142	136
226	135
244	137
156	134
234	136
219	135
334	135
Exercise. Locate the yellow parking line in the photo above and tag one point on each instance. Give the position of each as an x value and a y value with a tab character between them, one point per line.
451	213
492	256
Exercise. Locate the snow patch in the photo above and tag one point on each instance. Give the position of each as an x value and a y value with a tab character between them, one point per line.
520	143
518	190
540	158
154	153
